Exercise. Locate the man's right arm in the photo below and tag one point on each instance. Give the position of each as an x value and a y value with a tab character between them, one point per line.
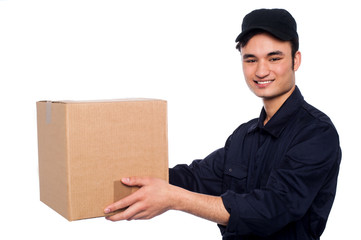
202	176
201	205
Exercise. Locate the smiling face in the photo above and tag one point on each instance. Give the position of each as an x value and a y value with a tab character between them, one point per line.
268	67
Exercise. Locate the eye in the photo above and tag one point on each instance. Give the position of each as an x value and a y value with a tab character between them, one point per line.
275	59
250	60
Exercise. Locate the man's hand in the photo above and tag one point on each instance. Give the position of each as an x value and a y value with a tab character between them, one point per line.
152	199
156	196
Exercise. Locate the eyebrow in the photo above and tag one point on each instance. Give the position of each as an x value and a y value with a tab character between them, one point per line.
245	56
275	53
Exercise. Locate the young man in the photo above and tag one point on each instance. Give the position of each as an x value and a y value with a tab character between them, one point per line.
276	176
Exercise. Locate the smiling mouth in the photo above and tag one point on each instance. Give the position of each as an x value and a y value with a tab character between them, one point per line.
263	82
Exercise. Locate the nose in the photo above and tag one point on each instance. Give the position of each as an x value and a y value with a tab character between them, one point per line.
262	70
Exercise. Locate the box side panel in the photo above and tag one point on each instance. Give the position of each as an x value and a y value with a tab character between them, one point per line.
52	154
109	141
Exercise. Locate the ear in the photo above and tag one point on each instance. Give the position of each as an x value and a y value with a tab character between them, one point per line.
297	61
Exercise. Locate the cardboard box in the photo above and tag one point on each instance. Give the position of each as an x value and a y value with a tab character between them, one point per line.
86	147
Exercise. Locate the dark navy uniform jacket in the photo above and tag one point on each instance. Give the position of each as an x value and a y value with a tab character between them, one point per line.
277	181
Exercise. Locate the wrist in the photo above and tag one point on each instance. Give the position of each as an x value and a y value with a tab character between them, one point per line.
175	197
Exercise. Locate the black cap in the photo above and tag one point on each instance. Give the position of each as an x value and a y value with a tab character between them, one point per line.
277	22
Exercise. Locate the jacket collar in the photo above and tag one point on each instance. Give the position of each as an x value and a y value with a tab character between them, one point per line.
278	122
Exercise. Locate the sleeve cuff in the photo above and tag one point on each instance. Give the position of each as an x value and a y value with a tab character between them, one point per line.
232	205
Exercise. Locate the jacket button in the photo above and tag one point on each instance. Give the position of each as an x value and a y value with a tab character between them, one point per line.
230	170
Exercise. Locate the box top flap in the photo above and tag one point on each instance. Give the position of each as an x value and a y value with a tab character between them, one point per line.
102	100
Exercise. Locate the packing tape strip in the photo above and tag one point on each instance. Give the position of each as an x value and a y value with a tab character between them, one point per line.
48	112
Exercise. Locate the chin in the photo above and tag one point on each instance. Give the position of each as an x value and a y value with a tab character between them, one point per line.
269	94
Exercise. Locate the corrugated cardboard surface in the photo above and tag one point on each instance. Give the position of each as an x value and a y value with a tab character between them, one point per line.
85	148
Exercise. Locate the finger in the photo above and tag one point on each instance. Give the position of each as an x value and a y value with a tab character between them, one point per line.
128	214
141	216
135	181
122	203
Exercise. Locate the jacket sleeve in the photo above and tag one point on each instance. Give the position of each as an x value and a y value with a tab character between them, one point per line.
310	165
202	176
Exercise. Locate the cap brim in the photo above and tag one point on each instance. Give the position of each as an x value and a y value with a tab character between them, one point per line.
275	33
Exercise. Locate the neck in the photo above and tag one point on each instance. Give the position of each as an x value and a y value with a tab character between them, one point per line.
272	105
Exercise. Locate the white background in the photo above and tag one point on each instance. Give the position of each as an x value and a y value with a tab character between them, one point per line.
181	51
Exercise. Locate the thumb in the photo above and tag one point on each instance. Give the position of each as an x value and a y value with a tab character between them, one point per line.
134	181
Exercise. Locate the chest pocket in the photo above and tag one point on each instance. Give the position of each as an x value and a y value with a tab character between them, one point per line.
235	178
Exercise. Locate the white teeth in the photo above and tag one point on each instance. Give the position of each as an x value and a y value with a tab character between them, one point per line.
265	82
